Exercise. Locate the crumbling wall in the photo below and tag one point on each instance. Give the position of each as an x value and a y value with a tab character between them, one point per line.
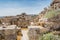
34	33
8	34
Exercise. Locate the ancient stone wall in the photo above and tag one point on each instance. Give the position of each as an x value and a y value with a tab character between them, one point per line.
34	33
8	35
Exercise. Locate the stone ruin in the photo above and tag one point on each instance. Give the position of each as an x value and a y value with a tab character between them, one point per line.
34	33
8	33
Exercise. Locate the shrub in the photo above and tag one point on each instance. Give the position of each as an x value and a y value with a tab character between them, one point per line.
50	36
52	13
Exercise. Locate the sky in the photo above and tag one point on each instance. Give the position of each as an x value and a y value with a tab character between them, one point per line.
15	7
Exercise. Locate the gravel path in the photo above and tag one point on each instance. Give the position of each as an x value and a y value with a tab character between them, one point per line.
25	35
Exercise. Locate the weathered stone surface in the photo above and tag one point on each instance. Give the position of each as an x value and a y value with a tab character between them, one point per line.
34	33
8	35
